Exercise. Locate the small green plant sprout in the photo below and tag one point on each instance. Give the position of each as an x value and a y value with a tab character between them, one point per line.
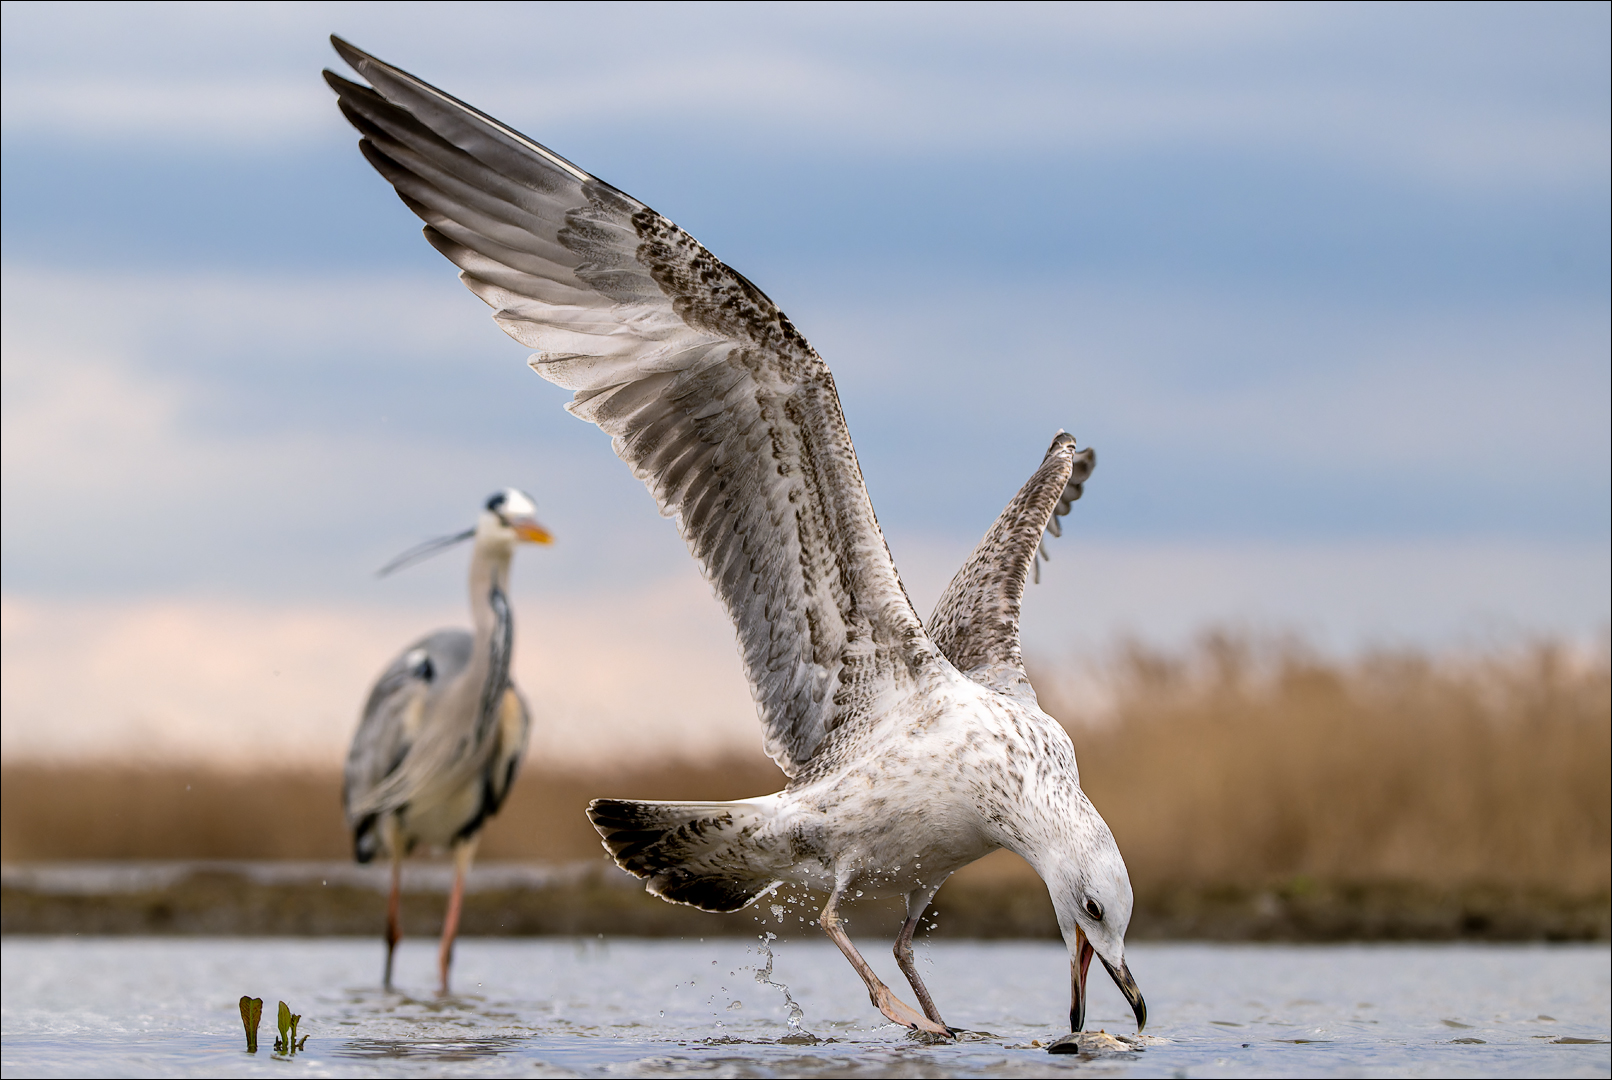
288	1043
251	1016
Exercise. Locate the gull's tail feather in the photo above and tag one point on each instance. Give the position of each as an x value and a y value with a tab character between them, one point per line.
690	853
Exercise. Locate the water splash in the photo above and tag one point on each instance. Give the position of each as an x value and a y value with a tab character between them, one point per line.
764	977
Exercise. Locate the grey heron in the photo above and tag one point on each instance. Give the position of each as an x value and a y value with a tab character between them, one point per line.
444	728
910	750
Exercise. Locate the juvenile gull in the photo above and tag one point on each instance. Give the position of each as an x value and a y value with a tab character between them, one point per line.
910	752
444	728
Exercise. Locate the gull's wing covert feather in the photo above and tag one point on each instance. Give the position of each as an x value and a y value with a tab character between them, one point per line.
708	392
976	622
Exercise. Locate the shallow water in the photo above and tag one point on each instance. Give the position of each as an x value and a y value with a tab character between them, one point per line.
584	1007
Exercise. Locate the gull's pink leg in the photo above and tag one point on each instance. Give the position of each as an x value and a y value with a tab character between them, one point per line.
886	1002
917	901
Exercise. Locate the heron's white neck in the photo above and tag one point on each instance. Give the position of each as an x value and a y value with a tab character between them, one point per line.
489	569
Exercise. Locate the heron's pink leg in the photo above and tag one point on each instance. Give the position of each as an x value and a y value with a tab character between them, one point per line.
463	853
394	916
886	1002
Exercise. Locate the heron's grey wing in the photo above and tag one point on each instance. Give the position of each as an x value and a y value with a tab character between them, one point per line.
395	712
708	392
976	622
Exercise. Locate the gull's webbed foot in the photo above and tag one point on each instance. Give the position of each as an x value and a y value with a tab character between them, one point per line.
908	1017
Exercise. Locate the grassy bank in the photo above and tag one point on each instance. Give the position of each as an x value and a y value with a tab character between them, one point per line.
1258	792
993	899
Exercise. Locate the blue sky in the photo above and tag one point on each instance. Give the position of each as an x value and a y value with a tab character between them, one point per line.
1325	285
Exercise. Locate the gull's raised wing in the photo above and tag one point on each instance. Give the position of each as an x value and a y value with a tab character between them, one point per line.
719	406
976	622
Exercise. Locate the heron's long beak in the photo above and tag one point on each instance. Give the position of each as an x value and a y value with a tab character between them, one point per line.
531	531
421	552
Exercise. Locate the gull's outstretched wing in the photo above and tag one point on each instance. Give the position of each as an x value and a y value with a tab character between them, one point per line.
976	622
708	392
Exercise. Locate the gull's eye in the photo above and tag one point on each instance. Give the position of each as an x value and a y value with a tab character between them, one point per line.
1094	909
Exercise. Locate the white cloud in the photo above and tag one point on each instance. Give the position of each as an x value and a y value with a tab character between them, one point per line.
71	421
113	383
652	672
111	386
1454	101
1343	596
1516	392
193	110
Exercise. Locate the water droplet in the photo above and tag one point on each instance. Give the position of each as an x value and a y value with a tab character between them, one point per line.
737	1004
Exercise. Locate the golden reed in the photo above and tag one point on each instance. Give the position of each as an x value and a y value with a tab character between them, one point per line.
1237	761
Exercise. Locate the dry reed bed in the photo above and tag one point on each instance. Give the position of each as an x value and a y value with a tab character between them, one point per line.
1248	762
1258	768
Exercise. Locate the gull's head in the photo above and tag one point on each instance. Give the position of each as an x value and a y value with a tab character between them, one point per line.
509	518
1091	892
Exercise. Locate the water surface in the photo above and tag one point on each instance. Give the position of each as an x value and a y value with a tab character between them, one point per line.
593	1007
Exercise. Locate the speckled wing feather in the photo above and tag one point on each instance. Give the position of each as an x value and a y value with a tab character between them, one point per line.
708	392
976	622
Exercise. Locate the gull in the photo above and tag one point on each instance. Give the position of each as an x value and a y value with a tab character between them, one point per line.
910	750
444	728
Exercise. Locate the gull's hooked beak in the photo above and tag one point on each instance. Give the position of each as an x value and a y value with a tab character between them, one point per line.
1079	965
1133	993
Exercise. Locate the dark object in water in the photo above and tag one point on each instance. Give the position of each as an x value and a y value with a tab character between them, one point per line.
1092	1042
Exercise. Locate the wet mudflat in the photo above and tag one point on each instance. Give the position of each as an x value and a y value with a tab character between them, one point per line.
597	1007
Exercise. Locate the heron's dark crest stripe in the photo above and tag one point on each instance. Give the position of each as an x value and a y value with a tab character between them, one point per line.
499	652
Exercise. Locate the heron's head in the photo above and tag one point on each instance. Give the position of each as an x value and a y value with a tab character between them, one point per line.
510	517
1091	892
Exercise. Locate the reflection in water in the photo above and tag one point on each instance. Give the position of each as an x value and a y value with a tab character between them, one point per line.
75	1007
436	1049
